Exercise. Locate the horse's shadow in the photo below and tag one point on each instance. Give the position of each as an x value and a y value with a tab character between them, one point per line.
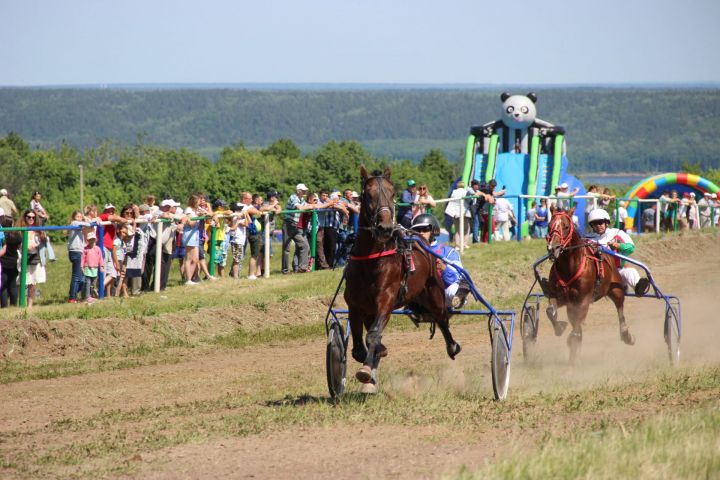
304	400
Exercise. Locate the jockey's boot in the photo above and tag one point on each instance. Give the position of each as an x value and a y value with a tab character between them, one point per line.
642	286
460	298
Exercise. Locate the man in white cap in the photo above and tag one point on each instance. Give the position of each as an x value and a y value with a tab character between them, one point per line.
292	232
7	205
561	191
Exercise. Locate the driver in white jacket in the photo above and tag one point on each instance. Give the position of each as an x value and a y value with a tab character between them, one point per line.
619	241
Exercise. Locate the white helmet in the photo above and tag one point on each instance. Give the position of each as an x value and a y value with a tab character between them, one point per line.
598	214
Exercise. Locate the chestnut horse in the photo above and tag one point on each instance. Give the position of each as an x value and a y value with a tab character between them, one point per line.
383	274
578	277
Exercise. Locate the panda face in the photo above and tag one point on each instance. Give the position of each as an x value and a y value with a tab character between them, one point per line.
518	111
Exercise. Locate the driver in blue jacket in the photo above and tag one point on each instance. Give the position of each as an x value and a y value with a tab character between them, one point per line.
456	290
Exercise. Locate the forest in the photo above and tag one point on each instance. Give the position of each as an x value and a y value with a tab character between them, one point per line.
122	174
628	129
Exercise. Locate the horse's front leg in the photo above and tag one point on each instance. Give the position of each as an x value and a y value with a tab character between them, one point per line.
552	312
367	374
576	314
359	352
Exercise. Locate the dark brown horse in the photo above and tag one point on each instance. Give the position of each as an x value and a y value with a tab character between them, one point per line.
578	277
381	277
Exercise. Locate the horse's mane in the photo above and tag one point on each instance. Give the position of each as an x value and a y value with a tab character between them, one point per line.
377	173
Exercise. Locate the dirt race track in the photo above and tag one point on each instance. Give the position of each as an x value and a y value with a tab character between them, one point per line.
40	418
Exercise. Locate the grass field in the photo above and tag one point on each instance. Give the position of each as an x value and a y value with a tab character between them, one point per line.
227	379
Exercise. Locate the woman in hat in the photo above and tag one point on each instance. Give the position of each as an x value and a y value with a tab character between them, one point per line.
35	273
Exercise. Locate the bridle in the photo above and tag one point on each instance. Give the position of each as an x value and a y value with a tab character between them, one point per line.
385	199
556	232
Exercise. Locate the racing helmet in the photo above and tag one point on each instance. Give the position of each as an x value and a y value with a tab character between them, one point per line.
597	215
426	220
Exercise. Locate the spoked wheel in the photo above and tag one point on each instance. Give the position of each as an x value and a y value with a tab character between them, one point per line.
500	362
528	329
336	361
672	334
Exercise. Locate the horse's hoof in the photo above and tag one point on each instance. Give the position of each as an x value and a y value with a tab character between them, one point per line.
381	351
364	375
559	328
359	354
627	337
453	350
369	388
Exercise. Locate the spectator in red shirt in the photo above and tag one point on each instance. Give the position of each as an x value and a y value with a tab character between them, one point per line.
111	264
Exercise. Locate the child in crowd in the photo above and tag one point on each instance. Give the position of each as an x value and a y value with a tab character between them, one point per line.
92	262
238	236
76	245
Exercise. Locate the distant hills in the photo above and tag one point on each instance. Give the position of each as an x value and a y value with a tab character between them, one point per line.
617	128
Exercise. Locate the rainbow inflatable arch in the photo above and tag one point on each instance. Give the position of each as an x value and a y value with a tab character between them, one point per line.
652	187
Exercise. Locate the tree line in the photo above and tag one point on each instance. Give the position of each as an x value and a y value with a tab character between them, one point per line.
608	129
122	174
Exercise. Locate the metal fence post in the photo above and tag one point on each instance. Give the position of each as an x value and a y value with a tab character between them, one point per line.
158	255
461	227
313	238
518	223
266	253
101	273
211	249
491	224
23	270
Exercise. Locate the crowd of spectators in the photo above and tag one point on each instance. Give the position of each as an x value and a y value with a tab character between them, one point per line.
120	245
125	255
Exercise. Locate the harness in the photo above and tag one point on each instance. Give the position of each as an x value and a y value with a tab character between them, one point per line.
373	256
589	252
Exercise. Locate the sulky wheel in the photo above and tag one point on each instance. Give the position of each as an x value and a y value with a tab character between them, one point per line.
672	334
500	363
528	329
336	361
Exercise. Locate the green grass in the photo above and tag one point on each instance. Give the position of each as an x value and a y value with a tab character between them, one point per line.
671	445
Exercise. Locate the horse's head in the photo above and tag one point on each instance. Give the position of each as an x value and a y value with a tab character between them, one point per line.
560	231
377	208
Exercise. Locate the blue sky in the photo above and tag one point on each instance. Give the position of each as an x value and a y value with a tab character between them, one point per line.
359	41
